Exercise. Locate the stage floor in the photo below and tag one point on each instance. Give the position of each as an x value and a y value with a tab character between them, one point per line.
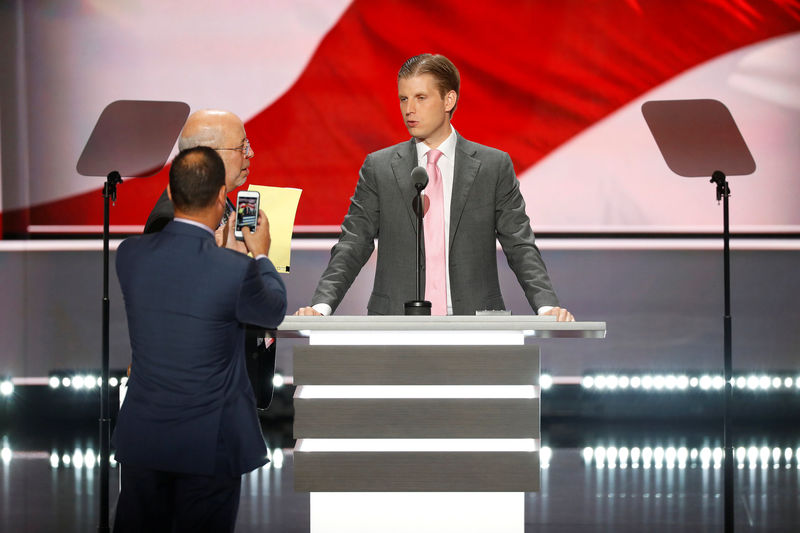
625	478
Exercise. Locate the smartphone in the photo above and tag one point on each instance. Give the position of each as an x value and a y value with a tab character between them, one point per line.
247	206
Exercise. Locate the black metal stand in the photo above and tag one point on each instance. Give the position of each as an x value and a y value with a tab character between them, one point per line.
419	306
723	192
109	195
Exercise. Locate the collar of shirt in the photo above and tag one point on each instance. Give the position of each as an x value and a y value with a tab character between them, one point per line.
448	149
195	223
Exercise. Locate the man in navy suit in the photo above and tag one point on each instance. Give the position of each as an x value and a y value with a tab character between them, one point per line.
188	427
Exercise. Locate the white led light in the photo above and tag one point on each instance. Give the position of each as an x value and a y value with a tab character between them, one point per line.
797	382
683	454
66	382
636	382
599	455
670	454
66	459
647	382
277	458
647	455
5	454
694	454
545	381
752	382
705	455
277	379
705	382
764	454
624	381
77	383
54	460
545	453
89	459
623	456
6	388
694	382
763	382
587	382
658	382
741	382
611	382
717	455
89	382
112	460
787	455
55	382
588	453
77	459
776	455
113	382
683	382
776	383
671	382
611	456
752	454
787	382
636	454
718	382
741	453
600	382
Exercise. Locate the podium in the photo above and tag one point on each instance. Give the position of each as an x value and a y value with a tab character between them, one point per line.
419	423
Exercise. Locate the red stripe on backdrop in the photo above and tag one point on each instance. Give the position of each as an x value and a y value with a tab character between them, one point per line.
534	74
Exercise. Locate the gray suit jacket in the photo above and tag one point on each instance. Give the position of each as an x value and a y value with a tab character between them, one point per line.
486	204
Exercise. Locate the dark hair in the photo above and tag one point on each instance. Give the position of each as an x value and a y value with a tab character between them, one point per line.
442	69
195	178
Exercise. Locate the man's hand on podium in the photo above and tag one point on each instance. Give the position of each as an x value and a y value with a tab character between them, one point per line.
307	311
561	314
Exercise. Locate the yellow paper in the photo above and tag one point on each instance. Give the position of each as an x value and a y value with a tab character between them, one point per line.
280	206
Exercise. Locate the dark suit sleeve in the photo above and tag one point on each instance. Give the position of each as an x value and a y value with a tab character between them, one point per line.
516	237
161	215
356	243
262	296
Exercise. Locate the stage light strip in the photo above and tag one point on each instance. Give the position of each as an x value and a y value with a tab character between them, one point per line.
682	457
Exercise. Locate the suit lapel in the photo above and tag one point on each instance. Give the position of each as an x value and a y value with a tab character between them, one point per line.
403	162
465	169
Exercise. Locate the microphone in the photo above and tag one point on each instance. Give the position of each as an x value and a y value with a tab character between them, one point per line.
419	177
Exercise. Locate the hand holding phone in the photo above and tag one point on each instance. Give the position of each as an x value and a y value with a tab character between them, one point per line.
247	208
258	242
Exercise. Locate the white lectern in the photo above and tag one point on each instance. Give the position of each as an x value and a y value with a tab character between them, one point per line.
419	423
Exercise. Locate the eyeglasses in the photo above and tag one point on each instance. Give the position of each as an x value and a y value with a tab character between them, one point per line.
244	148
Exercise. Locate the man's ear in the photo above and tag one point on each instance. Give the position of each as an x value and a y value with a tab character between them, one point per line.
222	196
450	100
169	193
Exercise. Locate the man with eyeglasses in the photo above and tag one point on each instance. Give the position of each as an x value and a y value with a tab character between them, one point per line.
224	132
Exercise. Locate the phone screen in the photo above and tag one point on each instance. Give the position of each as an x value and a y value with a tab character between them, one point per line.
246	213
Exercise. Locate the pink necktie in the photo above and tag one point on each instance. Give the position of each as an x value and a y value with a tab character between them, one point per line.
433	224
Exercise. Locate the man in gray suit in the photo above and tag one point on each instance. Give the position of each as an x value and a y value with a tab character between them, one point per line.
481	200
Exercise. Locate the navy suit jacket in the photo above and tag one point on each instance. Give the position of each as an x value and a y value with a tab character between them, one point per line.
189	397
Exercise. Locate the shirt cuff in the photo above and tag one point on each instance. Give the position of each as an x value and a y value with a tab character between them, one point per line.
323	309
543	309
260	256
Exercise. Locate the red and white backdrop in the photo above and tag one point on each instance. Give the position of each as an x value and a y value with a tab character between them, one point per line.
558	85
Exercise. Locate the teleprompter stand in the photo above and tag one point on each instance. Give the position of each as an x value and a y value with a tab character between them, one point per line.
699	138
131	138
